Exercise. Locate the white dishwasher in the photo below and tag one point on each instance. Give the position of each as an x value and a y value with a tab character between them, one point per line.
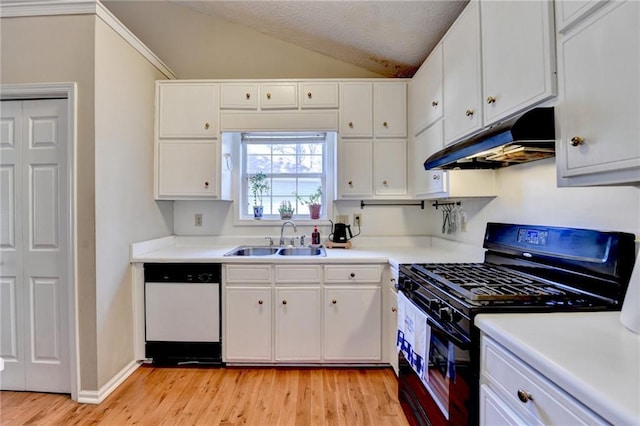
182	313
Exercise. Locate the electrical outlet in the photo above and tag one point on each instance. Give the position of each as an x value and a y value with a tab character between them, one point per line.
357	219
198	220
342	218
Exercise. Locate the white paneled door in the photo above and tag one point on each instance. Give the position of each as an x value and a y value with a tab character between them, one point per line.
34	252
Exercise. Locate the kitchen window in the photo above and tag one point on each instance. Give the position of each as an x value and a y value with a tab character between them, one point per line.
295	163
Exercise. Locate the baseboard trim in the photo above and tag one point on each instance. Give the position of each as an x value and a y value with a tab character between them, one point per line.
96	397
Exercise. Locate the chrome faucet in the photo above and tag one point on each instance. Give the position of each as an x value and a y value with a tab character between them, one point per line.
295	229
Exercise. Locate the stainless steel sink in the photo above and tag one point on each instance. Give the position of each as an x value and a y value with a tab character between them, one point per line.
280	251
302	251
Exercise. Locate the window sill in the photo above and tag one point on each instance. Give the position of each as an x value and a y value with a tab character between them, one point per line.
305	221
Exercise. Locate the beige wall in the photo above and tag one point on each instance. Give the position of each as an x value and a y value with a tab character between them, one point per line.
223	49
61	49
125	209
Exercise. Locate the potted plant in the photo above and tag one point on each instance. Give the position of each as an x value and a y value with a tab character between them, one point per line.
285	210
314	201
259	186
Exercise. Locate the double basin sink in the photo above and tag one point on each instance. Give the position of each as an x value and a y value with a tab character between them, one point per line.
276	251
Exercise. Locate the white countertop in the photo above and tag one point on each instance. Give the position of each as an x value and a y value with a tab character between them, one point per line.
592	356
394	250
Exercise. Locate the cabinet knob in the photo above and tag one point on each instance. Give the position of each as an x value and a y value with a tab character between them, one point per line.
284	302
394	309
247	95
491	100
384	182
309	95
385	124
350	124
577	141
393	280
434	103
436	177
206	184
334	301
469	112
260	302
206	126
268	95
352	275
524	396
350	183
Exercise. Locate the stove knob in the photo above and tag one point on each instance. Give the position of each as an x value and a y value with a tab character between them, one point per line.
445	314
455	316
406	284
434	304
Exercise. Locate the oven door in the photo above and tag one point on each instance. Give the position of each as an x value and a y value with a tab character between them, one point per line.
442	398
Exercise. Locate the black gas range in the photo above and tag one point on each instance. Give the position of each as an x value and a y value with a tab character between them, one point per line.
527	268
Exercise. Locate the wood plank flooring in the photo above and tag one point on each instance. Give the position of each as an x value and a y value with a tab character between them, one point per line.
223	396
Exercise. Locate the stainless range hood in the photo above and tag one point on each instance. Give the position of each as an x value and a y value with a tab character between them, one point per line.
529	137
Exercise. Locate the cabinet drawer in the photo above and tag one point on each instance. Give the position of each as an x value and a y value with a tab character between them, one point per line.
319	95
239	96
247	274
298	274
508	376
354	273
279	96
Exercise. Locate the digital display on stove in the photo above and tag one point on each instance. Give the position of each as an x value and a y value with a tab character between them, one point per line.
533	237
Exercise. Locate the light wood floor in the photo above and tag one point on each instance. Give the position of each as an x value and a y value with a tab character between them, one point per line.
223	396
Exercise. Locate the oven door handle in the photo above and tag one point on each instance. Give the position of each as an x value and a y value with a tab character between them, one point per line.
457	339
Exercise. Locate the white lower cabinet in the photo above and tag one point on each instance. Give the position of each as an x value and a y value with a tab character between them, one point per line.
512	392
298	324
248	324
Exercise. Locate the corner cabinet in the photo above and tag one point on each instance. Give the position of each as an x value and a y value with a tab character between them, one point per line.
187	144
371	160
599	91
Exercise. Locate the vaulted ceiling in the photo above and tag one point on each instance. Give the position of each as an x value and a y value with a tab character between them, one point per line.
390	38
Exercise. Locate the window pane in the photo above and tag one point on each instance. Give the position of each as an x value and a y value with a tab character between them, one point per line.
258	163
283	186
258	149
310	164
284	164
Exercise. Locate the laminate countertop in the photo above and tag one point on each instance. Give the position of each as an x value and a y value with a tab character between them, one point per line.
590	355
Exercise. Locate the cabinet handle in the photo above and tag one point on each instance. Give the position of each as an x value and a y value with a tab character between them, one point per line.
260	302
434	103
206	126
334	301
436	177
384	182
385	124
247	95
491	100
268	95
284	302
309	95
352	275
206	184
393	280
524	396
350	124
350	183
394	310
469	112
577	141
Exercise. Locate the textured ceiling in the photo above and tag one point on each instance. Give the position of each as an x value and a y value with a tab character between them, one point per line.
391	38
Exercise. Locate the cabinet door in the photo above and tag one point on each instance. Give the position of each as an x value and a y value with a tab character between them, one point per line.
187	110
390	110
356	110
600	88
298	324
425	93
319	95
390	316
518	58
423	145
494	412
353	324
187	169
248	324
239	96
279	96
389	165
355	168
462	87
570	12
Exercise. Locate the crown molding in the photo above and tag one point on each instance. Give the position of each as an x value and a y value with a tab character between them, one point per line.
27	8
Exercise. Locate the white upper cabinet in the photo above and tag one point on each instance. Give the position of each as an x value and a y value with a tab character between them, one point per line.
279	95
356	110
187	110
518	56
239	96
425	92
599	106
571	12
462	85
319	95
390	110
390	167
